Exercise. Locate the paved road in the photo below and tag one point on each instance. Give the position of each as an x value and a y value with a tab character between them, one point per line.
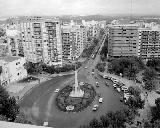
39	104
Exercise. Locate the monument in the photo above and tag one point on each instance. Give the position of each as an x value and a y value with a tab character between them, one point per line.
76	92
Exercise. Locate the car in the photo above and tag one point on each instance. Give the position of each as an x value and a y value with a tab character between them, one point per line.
114	85
97	84
100	100
126	96
157	91
115	81
118	89
124	88
126	91
95	107
105	76
57	90
85	67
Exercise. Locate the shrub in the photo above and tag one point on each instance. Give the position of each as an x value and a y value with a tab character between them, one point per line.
101	67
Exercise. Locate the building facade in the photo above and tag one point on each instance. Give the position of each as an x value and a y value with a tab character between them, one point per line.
149	44
12	69
41	39
14	44
74	41
123	40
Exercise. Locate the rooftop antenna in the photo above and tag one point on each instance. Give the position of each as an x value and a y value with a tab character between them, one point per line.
131	11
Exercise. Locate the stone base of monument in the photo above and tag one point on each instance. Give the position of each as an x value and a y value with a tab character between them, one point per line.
78	93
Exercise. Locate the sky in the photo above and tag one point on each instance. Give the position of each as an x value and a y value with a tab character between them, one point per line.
77	7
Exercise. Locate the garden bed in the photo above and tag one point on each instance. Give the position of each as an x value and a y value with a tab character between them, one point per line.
63	99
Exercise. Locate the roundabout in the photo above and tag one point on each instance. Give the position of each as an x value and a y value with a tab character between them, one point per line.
66	103
40	104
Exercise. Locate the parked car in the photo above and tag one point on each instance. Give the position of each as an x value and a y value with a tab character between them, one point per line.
126	96
115	81
124	88
118	89
105	76
97	84
85	67
95	107
100	100
57	90
114	85
157	91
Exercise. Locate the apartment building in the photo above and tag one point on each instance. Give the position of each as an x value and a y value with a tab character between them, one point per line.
74	41
14	44
12	69
123	40
93	27
149	43
68	43
41	39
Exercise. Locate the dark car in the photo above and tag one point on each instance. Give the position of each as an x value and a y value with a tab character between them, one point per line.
157	91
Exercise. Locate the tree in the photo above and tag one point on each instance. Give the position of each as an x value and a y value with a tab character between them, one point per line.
33	68
8	106
11	109
135	102
101	67
134	90
94	123
129	67
149	77
104	120
154	63
113	119
3	118
21	118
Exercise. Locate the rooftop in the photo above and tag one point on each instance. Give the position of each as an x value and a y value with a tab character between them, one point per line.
9	58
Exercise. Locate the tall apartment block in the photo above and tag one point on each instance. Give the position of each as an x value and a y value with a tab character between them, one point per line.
123	40
149	43
41	39
14	44
74	40
68	43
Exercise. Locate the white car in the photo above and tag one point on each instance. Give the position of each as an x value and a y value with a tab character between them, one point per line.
124	88
105	76
126	96
95	107
85	67
118	89
114	85
57	90
100	100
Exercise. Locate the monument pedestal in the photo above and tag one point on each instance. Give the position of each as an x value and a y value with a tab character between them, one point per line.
76	92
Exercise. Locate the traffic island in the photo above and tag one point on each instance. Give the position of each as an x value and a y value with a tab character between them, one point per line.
67	103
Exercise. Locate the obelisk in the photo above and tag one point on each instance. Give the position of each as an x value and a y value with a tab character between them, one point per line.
76	92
